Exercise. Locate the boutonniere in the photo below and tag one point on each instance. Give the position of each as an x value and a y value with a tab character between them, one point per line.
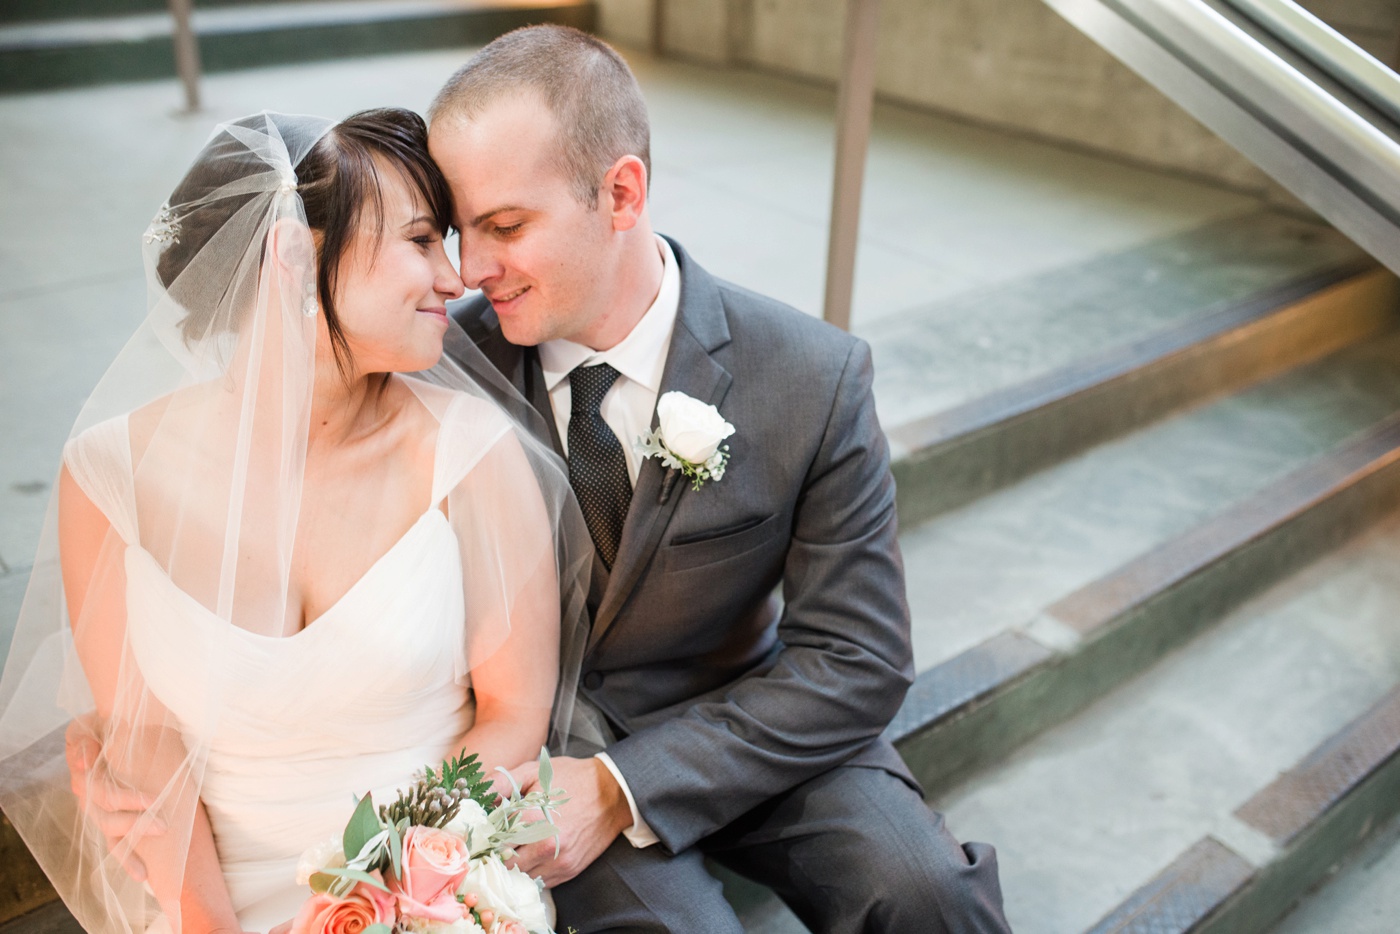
688	438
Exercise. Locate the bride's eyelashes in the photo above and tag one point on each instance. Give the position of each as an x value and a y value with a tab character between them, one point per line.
510	231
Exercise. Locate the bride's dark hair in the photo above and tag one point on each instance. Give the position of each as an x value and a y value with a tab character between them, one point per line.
338	180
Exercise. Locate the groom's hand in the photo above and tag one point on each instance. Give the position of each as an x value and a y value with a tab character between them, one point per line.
114	807
588	822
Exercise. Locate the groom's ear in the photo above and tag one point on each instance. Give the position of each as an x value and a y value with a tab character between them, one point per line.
624	192
291	246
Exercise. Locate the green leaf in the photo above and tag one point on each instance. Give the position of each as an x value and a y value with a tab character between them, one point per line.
510	778
363	826
546	769
395	851
380	928
531	833
321	882
358	876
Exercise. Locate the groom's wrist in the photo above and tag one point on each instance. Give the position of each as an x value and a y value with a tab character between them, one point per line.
638	833
614	800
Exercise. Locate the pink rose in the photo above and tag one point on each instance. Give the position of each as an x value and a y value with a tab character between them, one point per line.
434	863
509	926
364	906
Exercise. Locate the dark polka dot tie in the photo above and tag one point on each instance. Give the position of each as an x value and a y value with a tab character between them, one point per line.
597	465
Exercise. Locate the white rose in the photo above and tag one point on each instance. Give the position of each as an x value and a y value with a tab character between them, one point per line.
691	429
508	892
472	825
328	854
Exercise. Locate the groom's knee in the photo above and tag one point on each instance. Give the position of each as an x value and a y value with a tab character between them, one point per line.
926	880
644	891
867	854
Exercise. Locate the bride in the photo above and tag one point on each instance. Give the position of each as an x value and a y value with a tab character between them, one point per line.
279	572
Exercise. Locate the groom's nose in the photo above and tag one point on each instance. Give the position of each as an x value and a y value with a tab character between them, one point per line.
477	261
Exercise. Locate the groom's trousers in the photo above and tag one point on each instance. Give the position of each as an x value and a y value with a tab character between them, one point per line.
852	850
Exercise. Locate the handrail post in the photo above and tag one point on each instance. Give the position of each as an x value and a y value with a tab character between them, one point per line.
855	103
186	52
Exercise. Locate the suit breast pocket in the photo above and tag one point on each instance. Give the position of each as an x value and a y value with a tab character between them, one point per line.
704	548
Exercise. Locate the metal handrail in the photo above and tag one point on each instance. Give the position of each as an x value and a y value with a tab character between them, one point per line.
1324	47
1340	159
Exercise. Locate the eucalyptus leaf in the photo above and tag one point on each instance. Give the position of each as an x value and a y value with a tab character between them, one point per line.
372	853
358	875
380	928
511	778
363	826
395	851
531	833
321	882
546	770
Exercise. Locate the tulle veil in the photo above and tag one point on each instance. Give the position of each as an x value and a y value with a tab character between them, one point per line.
211	400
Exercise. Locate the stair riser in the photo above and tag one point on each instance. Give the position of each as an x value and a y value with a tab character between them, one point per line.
952	748
37	69
949	473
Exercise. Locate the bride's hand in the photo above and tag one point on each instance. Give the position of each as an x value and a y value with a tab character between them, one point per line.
115	808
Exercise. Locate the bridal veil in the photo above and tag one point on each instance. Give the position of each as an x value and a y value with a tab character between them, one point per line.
213	394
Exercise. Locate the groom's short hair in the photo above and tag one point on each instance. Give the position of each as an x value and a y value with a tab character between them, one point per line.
586	84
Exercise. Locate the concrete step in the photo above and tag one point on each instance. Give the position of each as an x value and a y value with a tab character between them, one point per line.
68	52
1032	601
1165	800
983	390
1282	841
955	456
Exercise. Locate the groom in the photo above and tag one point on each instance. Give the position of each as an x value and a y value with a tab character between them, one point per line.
750	724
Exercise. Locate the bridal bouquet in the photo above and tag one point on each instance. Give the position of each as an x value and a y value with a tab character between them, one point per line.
433	862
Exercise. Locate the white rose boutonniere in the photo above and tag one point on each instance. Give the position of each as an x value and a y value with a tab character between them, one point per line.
689	438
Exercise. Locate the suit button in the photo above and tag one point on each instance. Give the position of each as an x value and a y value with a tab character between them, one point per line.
593	680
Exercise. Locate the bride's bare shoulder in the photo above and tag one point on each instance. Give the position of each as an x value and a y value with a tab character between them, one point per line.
195	402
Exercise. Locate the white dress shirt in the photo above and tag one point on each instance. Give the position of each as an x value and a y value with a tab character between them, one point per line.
640	359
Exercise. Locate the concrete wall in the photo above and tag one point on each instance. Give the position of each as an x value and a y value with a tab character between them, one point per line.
1009	63
628	23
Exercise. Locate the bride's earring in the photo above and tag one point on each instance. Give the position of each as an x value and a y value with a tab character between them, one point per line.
308	303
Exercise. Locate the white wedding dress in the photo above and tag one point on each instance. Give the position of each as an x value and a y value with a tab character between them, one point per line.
357	701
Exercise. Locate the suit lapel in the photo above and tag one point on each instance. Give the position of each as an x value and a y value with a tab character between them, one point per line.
690	368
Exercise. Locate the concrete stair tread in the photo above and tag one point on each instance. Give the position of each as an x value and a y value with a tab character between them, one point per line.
932	359
1089	811
243	18
997	562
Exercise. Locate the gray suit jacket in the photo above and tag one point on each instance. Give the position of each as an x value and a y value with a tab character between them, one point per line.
724	695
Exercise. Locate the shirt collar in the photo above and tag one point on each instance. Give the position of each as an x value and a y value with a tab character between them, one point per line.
641	355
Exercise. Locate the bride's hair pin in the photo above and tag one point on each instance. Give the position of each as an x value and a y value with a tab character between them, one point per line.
165	228
308	301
